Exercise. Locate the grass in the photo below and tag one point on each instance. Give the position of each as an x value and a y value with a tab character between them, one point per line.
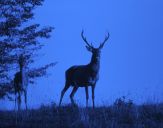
122	114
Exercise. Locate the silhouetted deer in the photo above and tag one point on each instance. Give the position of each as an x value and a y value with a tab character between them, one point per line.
20	83
84	75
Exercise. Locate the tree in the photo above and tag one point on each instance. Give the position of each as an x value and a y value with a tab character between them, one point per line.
19	36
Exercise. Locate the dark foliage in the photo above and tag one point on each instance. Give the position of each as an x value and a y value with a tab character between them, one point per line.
38	72
19	36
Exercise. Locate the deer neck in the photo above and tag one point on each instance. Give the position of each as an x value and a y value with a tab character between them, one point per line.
22	70
24	76
95	63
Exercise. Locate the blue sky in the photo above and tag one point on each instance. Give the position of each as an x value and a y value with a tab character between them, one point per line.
131	61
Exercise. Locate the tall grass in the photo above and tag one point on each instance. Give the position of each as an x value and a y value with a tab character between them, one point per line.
122	114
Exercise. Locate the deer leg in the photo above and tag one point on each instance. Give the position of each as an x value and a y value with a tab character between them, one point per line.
63	92
25	98
93	95
19	101
87	96
15	100
72	94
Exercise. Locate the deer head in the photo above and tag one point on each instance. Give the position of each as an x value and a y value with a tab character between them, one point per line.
95	51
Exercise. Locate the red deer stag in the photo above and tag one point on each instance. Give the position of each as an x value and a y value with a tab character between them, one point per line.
84	75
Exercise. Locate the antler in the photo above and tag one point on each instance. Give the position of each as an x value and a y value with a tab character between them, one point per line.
85	40
106	38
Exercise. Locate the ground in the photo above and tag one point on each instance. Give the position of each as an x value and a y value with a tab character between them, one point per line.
121	114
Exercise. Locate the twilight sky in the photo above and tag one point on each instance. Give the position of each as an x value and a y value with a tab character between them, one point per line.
131	61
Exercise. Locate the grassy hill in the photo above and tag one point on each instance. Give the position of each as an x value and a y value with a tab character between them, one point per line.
122	114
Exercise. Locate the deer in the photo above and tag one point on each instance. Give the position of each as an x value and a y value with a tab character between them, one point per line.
84	75
20	83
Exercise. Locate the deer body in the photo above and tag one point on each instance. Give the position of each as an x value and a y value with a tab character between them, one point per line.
84	75
20	84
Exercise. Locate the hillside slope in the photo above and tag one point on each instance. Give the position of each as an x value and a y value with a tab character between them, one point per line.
120	115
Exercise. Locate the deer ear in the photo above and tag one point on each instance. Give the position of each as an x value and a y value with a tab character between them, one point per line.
89	48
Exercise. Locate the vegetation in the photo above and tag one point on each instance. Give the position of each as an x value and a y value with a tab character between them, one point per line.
122	114
19	36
